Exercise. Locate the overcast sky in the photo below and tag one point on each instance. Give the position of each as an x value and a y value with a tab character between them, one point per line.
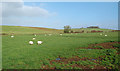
58	14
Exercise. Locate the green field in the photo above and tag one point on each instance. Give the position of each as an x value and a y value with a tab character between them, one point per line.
27	30
18	54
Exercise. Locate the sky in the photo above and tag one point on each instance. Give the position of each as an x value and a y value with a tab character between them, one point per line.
59	14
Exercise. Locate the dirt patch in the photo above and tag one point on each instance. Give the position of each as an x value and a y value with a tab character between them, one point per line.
107	45
3	34
44	29
67	60
75	58
63	60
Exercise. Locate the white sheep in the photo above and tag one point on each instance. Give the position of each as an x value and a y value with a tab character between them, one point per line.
100	34
12	36
33	38
105	35
60	34
39	42
35	35
30	42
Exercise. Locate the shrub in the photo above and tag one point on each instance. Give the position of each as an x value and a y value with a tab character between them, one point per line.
67	29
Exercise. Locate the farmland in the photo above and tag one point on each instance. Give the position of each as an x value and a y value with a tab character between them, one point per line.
73	50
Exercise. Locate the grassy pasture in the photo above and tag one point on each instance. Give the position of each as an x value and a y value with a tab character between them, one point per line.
18	54
27	30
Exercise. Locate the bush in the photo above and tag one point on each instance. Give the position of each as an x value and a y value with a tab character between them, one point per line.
67	29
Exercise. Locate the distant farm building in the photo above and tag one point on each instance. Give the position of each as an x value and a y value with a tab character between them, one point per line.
93	27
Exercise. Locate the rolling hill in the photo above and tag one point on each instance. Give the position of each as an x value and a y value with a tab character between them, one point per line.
28	30
40	30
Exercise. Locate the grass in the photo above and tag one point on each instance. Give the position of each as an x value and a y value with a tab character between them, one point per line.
18	54
27	30
100	47
116	45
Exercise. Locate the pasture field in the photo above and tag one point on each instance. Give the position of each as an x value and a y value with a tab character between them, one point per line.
30	30
70	49
27	30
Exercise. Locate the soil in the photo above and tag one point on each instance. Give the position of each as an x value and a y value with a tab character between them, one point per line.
42	28
107	45
76	58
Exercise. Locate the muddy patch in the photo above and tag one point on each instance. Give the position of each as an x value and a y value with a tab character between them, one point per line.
107	45
44	29
75	61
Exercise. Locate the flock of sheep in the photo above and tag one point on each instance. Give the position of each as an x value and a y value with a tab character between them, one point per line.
102	34
40	42
31	42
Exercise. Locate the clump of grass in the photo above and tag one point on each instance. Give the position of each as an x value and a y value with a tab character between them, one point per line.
98	47
112	41
110	60
77	68
91	67
116	45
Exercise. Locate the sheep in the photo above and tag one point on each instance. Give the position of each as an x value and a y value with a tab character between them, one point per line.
100	34
60	34
35	35
33	38
12	36
39	42
105	35
30	42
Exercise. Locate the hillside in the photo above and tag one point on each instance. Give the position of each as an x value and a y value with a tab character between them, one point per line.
90	29
40	30
28	30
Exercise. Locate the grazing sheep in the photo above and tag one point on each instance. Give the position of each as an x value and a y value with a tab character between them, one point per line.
30	42
12	36
33	38
35	35
100	34
105	35
60	34
39	42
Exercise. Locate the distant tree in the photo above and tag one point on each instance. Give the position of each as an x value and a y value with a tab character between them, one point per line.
71	31
67	29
